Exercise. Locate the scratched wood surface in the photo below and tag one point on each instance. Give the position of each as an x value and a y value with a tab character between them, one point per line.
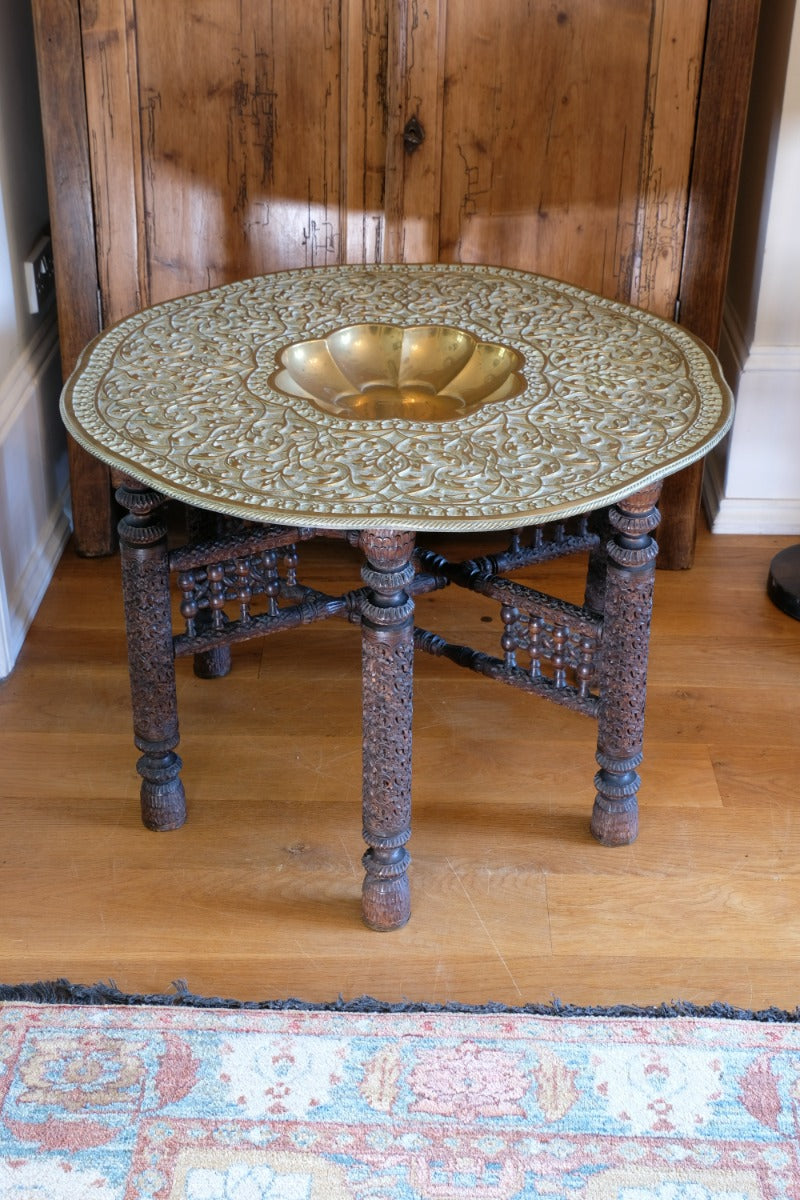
257	895
233	139
578	161
61	96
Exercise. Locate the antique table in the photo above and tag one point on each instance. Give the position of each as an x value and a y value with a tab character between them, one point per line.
370	403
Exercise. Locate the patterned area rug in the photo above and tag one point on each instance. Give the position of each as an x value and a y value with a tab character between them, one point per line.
172	1101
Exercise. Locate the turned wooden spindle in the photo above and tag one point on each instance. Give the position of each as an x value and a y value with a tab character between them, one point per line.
148	620
205	526
387	626
628	602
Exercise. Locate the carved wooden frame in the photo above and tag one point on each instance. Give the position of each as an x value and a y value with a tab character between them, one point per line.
595	654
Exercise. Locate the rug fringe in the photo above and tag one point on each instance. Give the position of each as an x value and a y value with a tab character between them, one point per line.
61	991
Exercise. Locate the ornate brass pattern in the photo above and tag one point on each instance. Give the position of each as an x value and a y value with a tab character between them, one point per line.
179	396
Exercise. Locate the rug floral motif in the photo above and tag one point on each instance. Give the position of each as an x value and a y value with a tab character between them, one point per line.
115	1103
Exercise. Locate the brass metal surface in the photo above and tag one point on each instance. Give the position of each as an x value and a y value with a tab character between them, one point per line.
420	373
184	396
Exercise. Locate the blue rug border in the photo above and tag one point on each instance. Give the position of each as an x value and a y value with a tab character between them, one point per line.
61	991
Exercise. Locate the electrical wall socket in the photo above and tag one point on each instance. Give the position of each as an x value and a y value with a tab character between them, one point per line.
40	275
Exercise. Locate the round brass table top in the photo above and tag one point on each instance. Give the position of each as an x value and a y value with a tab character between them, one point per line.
444	397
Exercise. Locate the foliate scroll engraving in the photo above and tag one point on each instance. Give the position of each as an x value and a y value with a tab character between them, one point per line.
612	397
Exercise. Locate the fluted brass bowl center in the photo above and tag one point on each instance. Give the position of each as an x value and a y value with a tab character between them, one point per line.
416	373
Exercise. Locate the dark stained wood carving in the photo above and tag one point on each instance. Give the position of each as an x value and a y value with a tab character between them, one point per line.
148	620
623	672
387	642
242	581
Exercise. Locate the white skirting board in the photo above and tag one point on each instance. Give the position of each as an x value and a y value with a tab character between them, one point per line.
34	487
736	514
752	482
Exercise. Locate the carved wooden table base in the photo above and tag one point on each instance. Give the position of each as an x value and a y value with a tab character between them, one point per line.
591	658
365	402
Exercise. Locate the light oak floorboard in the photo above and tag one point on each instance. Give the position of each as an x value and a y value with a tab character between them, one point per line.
257	896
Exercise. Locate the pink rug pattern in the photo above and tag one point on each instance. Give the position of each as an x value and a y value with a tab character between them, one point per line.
157	1103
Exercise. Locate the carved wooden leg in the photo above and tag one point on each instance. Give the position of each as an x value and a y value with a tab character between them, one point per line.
623	672
597	569
387	680
205	526
151	663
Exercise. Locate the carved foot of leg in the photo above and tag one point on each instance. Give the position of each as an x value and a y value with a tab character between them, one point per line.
386	896
162	795
615	816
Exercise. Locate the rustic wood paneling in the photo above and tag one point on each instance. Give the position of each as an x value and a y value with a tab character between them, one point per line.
58	47
112	106
230	166
541	165
714	182
364	83
677	35
415	92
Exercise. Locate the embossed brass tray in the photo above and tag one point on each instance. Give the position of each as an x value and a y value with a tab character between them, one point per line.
424	397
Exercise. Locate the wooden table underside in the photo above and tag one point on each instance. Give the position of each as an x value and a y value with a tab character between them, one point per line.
591	658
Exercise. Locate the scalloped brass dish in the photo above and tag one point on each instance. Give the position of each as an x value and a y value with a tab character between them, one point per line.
375	372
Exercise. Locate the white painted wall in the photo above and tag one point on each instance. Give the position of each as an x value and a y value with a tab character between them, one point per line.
753	481
34	522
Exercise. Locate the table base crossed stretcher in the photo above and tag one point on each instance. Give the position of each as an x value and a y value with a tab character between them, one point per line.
366	404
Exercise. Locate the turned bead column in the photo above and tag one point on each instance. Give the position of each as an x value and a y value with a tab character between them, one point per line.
202	526
151	661
628	602
387	681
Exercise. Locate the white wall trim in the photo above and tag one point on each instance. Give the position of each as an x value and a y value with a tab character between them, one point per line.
752	485
774	358
745	515
22	393
25	598
7	654
755	357
778	517
16	388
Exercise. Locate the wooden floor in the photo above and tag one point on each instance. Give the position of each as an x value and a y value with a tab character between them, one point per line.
258	895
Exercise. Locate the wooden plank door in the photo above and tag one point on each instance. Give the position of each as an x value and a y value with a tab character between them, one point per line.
215	131
230	139
559	139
